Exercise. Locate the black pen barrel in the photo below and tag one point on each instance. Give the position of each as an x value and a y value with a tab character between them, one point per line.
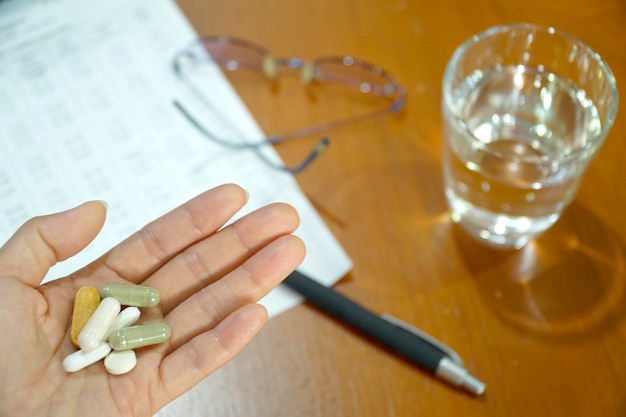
396	338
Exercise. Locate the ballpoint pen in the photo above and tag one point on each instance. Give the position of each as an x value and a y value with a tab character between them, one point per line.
405	340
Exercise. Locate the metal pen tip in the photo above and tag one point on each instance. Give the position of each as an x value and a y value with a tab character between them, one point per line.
473	385
456	374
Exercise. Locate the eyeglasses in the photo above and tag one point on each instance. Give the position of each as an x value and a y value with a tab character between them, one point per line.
234	54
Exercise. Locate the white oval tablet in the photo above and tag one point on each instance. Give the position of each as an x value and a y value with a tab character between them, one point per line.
80	359
118	363
126	318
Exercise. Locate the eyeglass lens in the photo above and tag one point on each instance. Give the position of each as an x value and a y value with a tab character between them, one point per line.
366	84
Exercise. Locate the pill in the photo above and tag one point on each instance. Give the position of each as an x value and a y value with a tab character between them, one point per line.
138	336
118	363
80	359
127	317
98	325
132	295
85	303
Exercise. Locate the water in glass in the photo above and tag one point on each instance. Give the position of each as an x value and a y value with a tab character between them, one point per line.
516	138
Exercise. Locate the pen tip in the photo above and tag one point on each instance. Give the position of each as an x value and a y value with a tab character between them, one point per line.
473	385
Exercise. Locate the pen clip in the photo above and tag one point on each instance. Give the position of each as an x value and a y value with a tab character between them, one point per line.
425	336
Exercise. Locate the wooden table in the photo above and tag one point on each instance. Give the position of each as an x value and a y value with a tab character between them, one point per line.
544	327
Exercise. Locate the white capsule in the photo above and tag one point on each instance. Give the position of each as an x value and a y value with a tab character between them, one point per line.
80	359
118	363
127	317
97	327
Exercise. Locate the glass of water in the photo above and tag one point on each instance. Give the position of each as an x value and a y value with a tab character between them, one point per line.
525	109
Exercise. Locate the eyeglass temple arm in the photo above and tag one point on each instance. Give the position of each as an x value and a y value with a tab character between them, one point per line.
317	149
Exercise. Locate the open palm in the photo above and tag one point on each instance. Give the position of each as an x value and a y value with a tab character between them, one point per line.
210	278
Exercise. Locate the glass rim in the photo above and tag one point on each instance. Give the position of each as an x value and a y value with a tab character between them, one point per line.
552	31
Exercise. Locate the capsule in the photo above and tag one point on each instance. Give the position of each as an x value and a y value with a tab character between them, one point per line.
132	295
86	301
98	325
139	336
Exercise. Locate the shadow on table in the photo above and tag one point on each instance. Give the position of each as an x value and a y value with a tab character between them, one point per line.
568	284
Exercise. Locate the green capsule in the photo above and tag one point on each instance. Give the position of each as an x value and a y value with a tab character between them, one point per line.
132	295
139	336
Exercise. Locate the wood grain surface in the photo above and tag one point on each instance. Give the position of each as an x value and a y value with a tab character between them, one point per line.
544	327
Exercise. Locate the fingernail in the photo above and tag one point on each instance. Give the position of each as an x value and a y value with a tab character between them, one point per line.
104	204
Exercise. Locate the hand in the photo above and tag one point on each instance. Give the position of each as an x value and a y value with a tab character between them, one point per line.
210	279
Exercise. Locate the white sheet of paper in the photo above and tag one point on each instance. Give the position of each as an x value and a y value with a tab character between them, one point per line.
86	92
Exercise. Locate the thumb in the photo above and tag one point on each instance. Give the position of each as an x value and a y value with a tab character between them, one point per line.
45	240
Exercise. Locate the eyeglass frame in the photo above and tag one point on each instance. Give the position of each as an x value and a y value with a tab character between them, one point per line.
270	66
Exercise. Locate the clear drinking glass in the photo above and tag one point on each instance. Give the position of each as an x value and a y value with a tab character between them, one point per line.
525	109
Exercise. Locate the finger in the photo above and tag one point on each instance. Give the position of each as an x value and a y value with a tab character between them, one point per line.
45	240
145	251
247	284
195	360
212	258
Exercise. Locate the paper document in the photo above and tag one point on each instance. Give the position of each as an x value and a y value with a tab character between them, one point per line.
86	113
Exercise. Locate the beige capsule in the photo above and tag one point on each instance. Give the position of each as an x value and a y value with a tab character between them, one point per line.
132	295
139	336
